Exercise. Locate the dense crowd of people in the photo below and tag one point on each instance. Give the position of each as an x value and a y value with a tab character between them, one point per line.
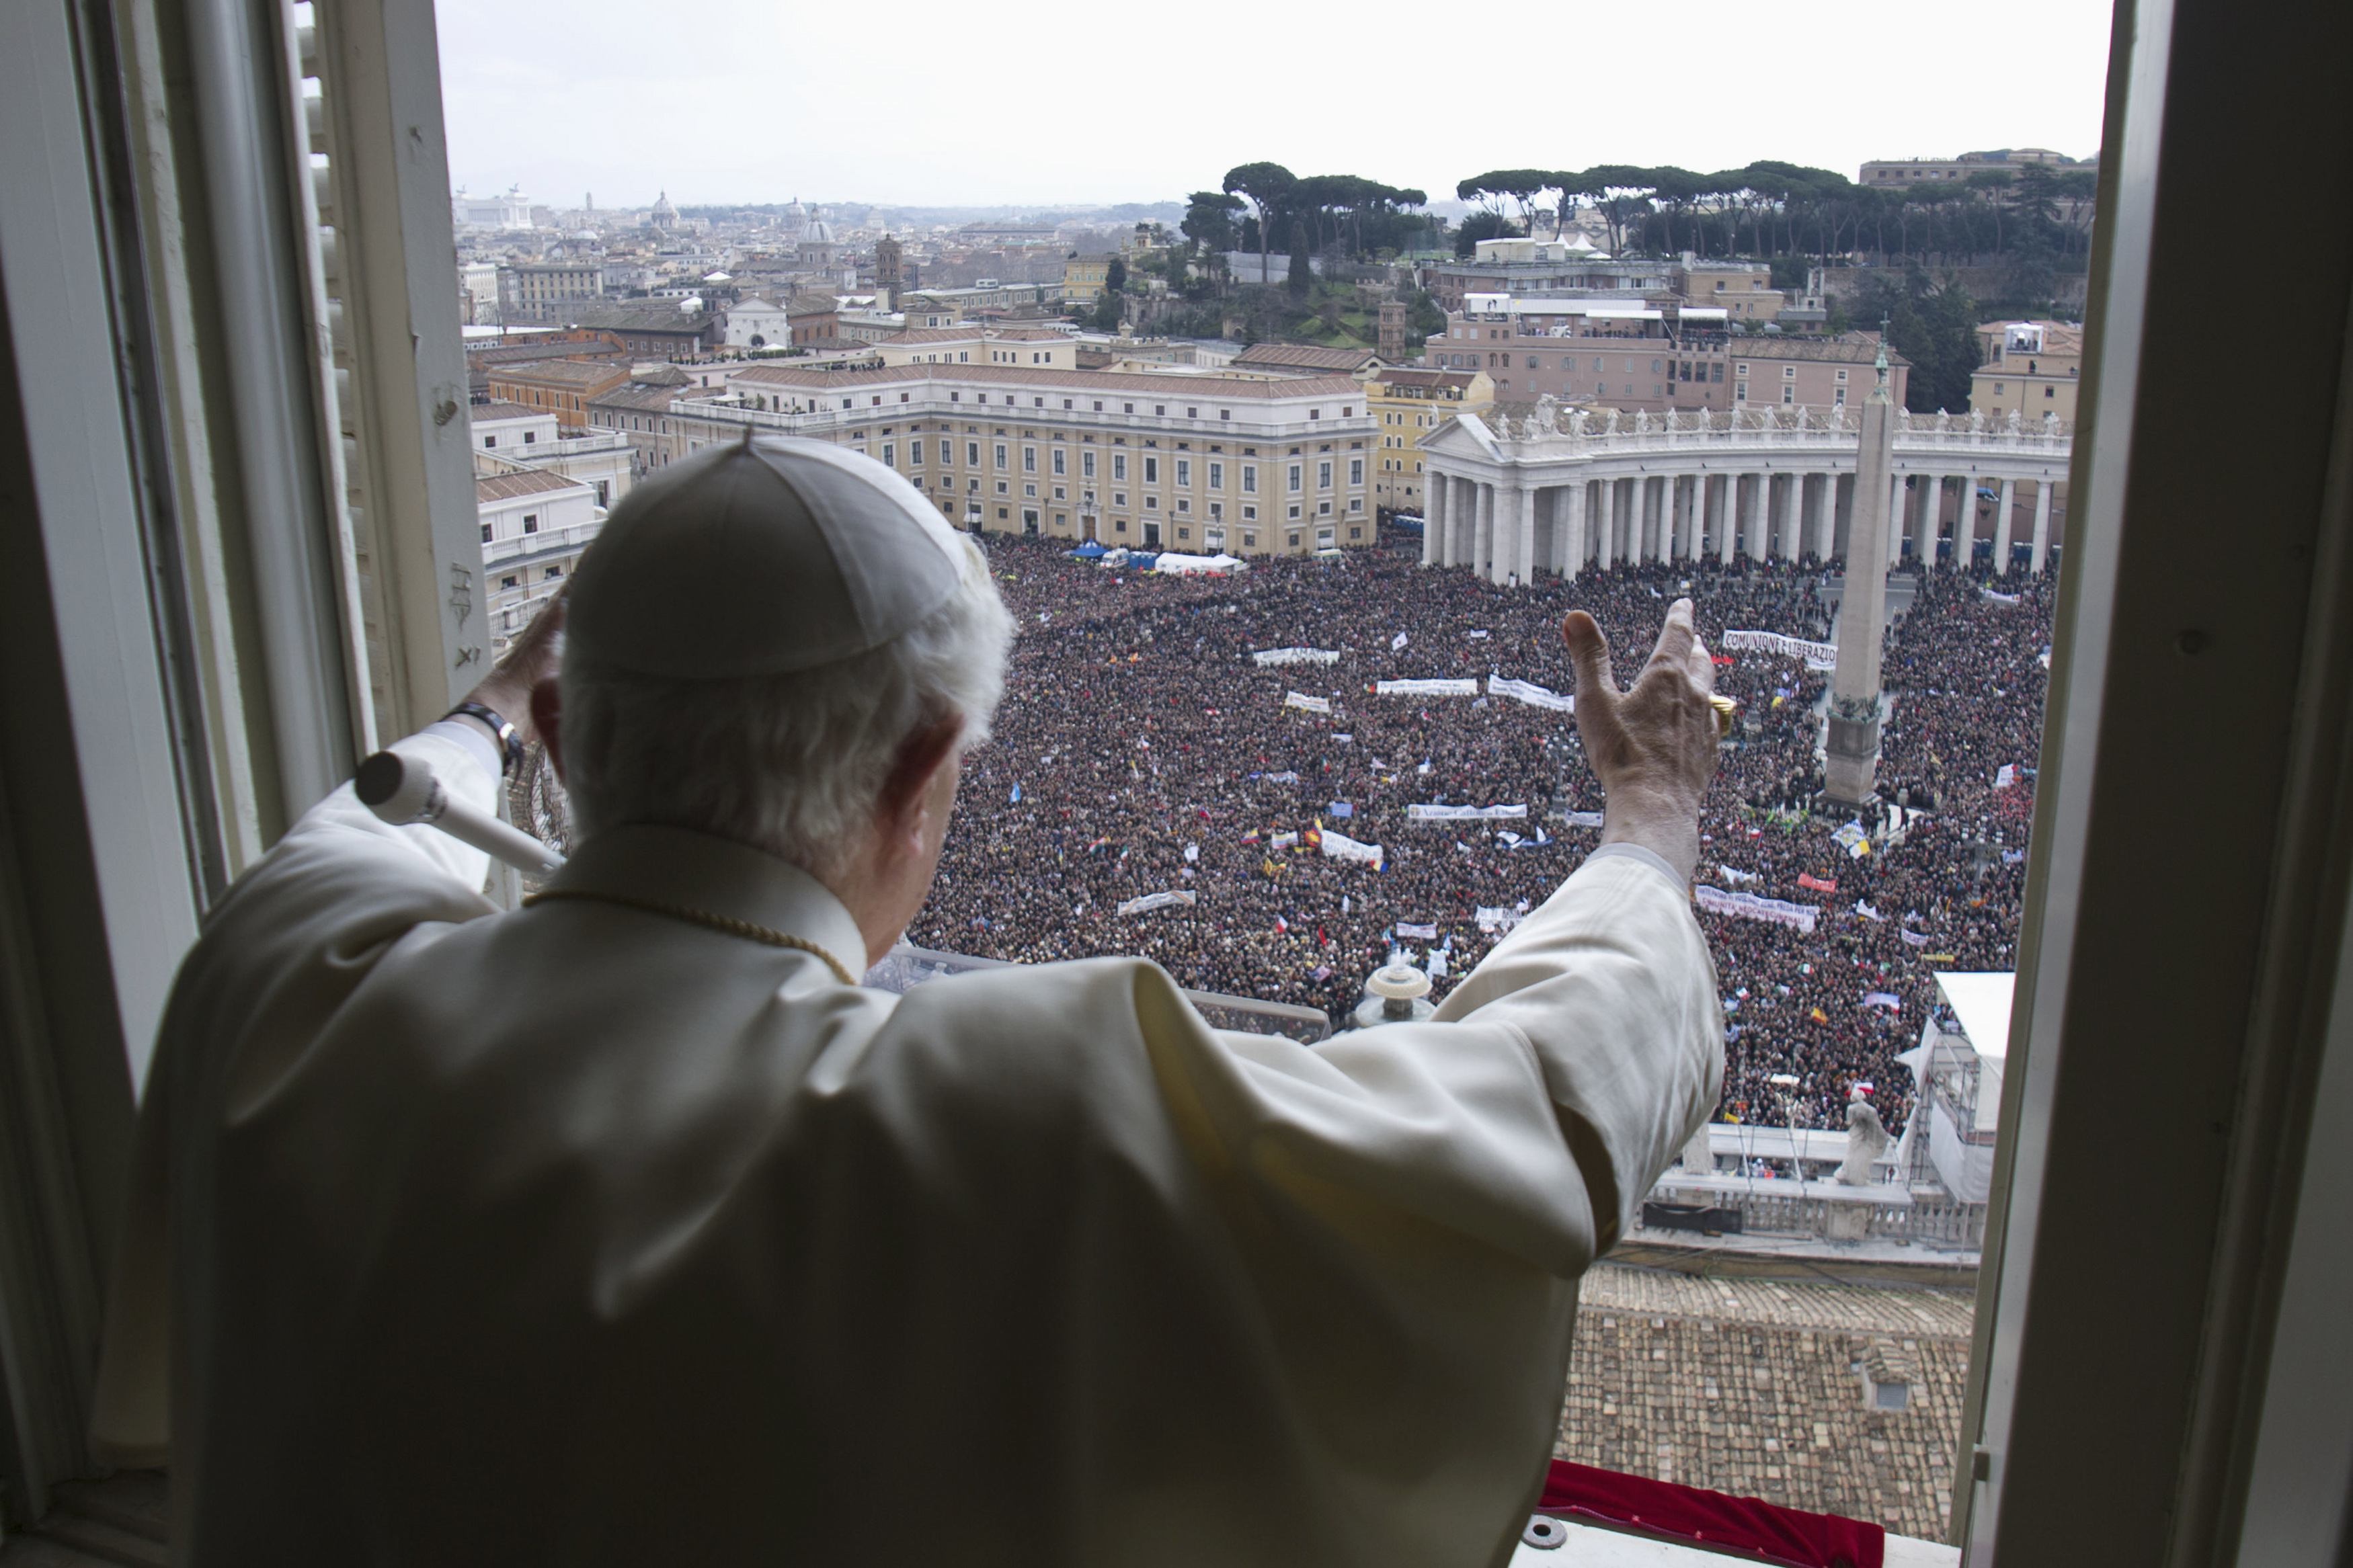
1141	750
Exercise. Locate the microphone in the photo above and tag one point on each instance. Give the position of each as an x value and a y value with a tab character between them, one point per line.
402	792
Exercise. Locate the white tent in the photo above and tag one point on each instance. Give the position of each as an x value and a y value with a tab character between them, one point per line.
1170	561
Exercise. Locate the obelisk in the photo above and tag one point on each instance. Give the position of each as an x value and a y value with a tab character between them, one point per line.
1851	764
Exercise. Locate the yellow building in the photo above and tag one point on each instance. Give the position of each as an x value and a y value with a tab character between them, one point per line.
2030	368
1084	278
1408	404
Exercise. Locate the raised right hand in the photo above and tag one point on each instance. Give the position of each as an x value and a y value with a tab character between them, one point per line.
1653	747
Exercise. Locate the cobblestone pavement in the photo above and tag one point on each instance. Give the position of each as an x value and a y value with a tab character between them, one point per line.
1764	1388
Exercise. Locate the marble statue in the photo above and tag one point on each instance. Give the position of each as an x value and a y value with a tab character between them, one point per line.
1866	1140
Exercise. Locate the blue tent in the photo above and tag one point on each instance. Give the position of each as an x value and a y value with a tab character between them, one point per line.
1090	550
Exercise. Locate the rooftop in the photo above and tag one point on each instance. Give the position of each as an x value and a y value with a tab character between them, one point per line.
1302	356
564	372
494	411
1096	381
507	487
1456	379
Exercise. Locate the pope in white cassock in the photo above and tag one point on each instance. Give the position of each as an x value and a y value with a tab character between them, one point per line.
625	1228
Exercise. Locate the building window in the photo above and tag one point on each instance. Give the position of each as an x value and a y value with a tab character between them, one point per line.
1739	392
490	441
1294	478
1028	459
1151	471
1788	373
486	534
553	571
531	523
1250	541
1061	463
1000	454
1184	472
1086	465
972	454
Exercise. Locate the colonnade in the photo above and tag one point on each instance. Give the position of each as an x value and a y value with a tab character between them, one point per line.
1511	532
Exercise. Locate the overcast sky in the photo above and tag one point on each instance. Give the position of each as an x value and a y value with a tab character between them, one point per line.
1049	101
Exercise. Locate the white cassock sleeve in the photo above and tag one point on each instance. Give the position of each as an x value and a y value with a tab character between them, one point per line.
315	912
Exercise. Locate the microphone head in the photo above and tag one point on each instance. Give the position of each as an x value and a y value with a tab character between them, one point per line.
396	790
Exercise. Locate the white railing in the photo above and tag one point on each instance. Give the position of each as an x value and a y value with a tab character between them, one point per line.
1548	430
547	542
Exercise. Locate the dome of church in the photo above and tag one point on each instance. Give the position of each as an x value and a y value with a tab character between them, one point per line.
663	212
818	233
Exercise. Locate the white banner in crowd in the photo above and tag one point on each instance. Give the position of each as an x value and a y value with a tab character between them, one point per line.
1296	656
1529	692
1496	918
1998	598
1312	704
2005	776
1399	641
1340	847
1463	813
1420	932
1155	902
1427	688
1750	906
1816	655
1584	819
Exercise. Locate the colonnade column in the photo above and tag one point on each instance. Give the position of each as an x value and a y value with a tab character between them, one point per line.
1931	518
1793	514
1433	521
1965	525
1752	520
1683	546
1727	516
1482	541
1523	558
2002	526
1825	530
1605	523
1577	530
2042	526
1895	518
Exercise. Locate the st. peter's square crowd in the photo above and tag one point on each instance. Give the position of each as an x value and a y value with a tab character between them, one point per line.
1142	751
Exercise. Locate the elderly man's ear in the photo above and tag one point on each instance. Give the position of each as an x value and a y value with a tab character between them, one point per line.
922	781
547	717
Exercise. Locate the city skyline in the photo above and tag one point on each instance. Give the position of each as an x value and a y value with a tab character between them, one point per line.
584	98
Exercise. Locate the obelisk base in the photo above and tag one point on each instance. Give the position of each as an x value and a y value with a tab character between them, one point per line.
1850	759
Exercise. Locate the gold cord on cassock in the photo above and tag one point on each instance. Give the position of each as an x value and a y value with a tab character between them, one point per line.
728	924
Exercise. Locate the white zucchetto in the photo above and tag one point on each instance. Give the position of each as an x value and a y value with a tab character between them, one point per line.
761	557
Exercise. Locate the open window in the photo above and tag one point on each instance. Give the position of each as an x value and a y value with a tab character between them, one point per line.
254	542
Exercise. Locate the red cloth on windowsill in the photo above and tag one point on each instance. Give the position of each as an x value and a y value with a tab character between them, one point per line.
1762	1531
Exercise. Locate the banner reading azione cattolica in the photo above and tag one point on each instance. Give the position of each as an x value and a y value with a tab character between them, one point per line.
1816	655
1295	655
1463	813
1529	692
1750	906
1155	902
1340	847
1427	688
1312	704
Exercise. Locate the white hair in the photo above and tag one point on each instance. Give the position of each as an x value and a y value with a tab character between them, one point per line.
788	763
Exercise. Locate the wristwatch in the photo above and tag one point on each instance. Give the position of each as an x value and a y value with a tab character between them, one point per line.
510	742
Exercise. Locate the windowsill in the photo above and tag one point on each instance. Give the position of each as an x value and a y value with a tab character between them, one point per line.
1595	1546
